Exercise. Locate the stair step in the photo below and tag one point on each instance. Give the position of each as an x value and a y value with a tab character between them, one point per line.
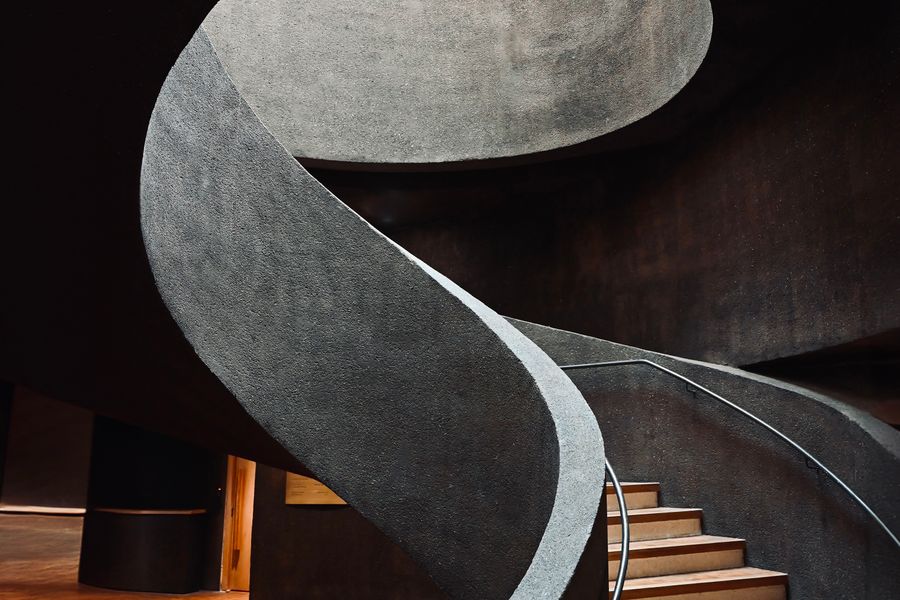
655	523
637	495
744	583
650	558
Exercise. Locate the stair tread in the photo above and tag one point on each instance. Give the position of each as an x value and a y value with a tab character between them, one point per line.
719	579
634	486
680	545
657	513
658	509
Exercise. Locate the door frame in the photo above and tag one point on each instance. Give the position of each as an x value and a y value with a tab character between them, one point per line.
236	532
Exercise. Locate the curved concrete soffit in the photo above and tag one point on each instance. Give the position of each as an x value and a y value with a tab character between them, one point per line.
429	413
432	82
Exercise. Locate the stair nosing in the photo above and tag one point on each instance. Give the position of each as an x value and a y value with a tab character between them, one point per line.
661	513
762	578
677	547
634	487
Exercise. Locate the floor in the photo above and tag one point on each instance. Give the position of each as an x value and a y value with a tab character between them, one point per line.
39	559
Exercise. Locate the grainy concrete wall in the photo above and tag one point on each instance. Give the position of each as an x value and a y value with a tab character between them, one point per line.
342	555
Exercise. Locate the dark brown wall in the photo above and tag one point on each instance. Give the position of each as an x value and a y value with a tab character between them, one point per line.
772	230
48	452
322	553
768	230
82	320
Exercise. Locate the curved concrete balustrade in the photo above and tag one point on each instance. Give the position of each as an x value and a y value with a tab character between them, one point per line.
424	409
431	82
748	482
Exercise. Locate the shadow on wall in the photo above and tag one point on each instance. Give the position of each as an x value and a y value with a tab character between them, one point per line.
864	374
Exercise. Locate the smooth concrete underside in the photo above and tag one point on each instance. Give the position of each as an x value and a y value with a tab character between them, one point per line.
423	408
431	82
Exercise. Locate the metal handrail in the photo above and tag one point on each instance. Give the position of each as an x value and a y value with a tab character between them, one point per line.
809	457
626	533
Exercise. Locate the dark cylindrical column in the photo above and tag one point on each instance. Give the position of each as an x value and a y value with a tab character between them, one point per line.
153	520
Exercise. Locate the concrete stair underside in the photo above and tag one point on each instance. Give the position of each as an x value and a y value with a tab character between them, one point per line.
671	558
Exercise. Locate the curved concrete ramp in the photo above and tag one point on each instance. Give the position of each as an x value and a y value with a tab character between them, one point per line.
747	480
432	82
429	413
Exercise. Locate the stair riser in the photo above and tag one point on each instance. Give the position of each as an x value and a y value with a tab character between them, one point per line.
633	500
672	560
772	592
654	530
680	563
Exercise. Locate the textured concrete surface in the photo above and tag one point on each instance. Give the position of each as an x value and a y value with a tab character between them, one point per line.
429	413
769	229
342	554
750	484
426	82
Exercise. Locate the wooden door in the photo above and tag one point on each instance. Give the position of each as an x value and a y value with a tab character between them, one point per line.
238	524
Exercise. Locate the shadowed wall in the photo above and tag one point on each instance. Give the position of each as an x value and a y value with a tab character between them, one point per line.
324	552
48	452
767	231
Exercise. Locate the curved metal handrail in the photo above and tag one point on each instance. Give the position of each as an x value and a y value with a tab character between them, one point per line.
626	534
809	457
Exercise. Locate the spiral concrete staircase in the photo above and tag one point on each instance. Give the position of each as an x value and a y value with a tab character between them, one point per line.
722	473
418	404
324	344
415	402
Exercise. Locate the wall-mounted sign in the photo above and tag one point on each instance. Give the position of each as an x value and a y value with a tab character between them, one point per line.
306	490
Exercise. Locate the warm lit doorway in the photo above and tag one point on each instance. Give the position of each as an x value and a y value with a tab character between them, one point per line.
238	524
